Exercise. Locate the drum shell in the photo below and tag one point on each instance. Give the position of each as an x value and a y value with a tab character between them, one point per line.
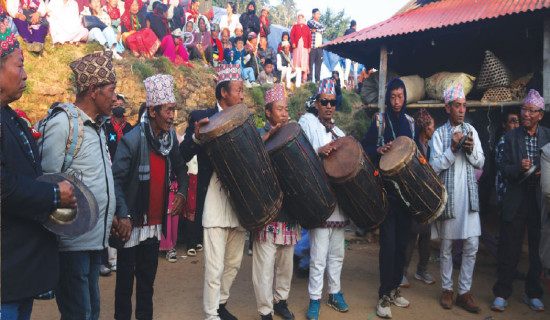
308	196
244	168
418	187
362	196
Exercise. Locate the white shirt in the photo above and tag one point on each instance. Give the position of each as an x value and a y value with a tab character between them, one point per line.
466	224
224	23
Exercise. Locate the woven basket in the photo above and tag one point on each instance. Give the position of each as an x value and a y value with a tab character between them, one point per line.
493	73
499	94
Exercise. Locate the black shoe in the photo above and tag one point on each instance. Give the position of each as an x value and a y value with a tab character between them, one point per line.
224	314
281	309
267	317
302	273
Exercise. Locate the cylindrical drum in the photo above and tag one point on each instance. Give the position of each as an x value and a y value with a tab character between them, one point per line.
409	176
308	196
357	183
238	156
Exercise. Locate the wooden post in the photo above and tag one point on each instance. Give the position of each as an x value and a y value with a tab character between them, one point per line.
382	74
546	63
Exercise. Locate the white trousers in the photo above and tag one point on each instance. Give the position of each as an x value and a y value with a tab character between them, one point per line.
223	252
112	255
271	274
327	252
469	252
287	75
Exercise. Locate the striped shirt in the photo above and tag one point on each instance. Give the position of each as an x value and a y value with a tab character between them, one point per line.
317	36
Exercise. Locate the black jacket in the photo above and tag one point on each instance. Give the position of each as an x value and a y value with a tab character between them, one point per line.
112	141
250	21
188	149
510	166
30	263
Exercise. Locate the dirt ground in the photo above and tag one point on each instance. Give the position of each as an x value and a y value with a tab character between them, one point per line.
178	291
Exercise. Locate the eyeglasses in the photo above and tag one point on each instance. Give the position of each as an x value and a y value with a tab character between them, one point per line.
325	102
530	111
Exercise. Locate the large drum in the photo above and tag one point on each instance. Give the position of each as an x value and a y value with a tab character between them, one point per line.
410	177
308	196
238	156
358	186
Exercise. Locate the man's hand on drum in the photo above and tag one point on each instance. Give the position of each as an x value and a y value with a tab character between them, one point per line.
383	149
198	124
325	150
455	142
272	131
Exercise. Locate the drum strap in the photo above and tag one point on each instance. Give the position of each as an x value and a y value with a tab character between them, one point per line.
381	125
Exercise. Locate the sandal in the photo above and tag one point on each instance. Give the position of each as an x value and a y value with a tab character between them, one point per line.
535	304
199	247
499	304
191	252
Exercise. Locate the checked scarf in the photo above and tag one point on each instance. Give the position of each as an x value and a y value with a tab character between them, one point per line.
448	175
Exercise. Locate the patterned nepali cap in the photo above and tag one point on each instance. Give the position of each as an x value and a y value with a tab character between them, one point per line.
214	27
277	93
8	41
159	90
534	98
454	93
94	69
327	86
229	72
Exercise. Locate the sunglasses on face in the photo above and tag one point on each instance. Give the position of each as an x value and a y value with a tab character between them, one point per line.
325	102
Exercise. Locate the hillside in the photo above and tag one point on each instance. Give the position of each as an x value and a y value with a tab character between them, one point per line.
51	80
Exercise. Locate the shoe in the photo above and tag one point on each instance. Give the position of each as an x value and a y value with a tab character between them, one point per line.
247	84
281	309
249	252
467	302
199	248
302	273
336	301
446	300
424	276
116	56
104	271
404	282
313	310
171	256
191	252
254	84
383	309
113	267
499	304
535	304
224	314
268	317
398	300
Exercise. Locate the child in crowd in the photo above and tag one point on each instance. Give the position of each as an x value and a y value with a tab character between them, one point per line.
267	76
239	56
284	37
238	33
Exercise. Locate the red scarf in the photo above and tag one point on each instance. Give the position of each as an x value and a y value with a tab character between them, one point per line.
119	127
114	13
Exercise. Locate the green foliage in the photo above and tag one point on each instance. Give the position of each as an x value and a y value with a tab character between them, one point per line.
162	65
258	96
349	99
360	124
142	70
93	47
336	23
285	13
299	97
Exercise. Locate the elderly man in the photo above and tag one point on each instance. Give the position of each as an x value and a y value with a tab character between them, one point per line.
145	158
80	257
396	227
30	264
455	160
327	241
286	67
521	205
272	261
223	235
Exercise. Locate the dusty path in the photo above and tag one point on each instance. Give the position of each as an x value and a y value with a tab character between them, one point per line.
178	292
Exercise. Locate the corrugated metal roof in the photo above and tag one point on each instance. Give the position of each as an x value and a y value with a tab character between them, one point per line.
441	14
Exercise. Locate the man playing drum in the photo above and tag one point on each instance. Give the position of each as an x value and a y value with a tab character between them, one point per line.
327	242
395	230
223	235
456	153
274	244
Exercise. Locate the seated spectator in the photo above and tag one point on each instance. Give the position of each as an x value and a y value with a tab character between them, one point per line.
251	49
286	66
217	48
237	56
188	34
238	33
284	37
226	43
338	87
106	36
267	76
265	52
231	20
139	39
193	14
113	10
29	18
201	47
170	47
65	23
265	26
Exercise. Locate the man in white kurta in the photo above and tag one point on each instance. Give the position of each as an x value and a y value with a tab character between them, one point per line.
455	163
327	241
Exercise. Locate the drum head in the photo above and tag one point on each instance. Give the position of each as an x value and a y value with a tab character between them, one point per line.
401	151
282	136
223	122
345	160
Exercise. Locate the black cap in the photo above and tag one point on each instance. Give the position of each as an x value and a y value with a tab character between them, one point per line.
352	24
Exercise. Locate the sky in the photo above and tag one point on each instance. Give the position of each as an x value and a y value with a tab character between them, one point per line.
365	12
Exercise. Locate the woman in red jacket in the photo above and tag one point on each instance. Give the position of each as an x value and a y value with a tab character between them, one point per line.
300	37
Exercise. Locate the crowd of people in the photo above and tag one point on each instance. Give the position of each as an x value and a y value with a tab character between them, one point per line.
144	176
